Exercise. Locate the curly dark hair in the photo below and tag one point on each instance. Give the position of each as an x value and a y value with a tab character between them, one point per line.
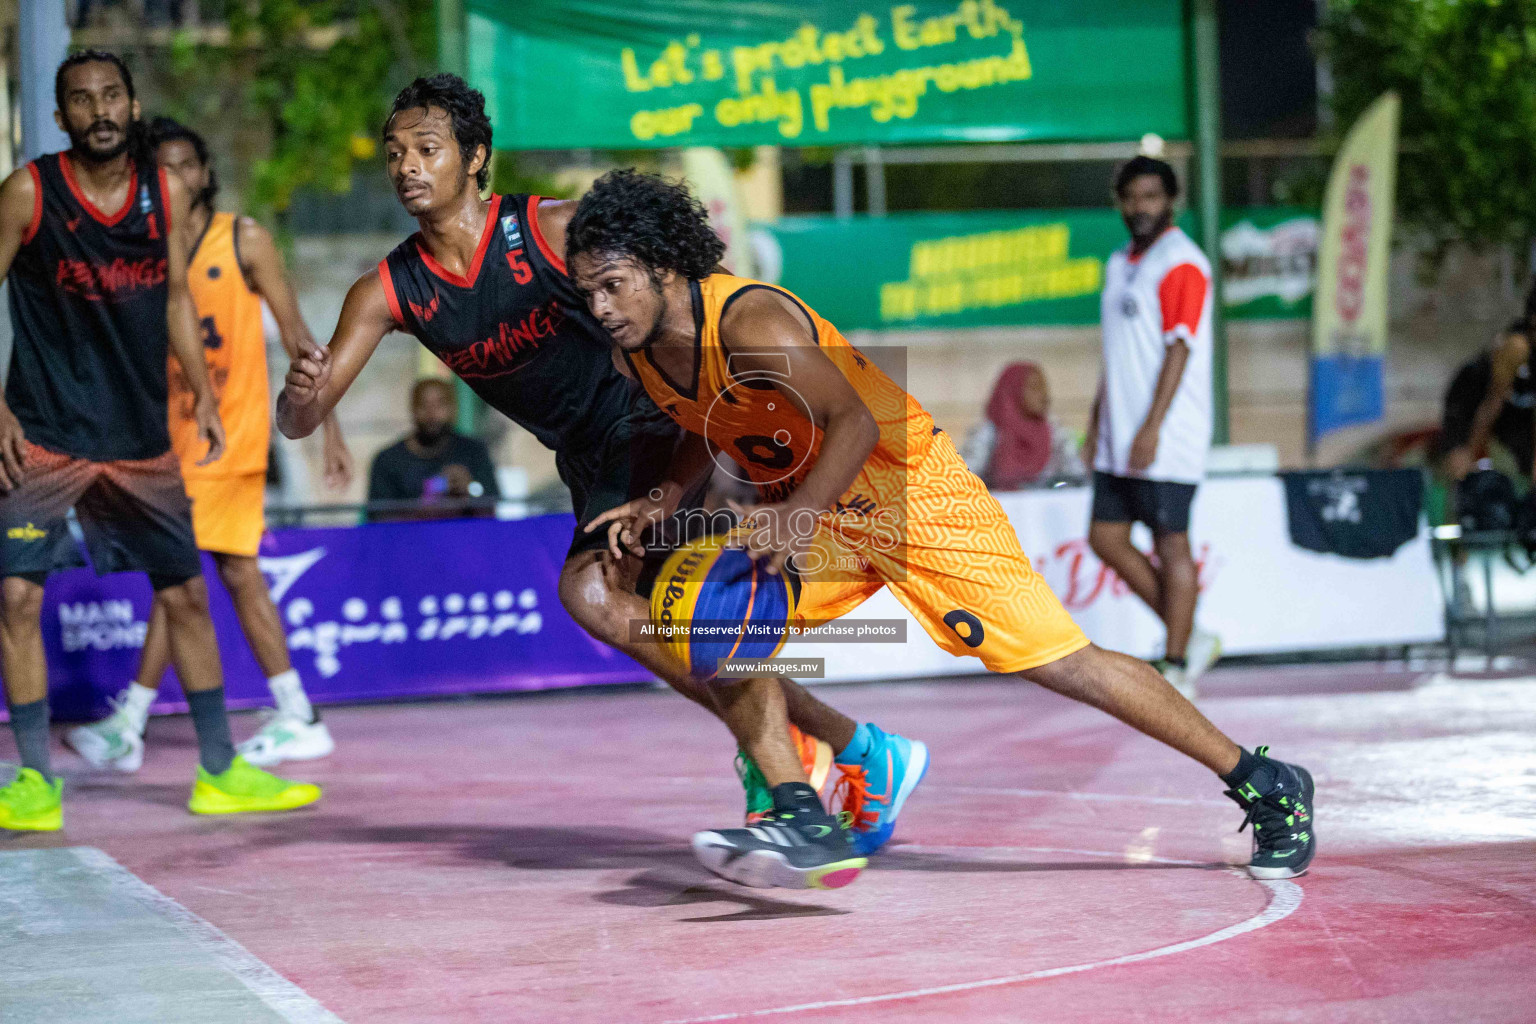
654	221
1140	165
165	129
465	108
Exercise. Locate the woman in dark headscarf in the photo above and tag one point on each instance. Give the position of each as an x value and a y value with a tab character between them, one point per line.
1026	445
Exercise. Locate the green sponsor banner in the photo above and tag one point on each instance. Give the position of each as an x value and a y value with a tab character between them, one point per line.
1000	268
1269	259
622	74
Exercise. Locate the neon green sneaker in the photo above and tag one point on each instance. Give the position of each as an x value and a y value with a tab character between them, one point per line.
243	788
31	803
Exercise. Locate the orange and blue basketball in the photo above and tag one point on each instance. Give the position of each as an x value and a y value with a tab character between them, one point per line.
711	601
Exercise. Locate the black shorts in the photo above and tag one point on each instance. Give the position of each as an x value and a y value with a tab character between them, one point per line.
1513	428
134	514
633	457
1162	504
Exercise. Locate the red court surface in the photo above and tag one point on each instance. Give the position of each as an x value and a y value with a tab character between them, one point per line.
526	860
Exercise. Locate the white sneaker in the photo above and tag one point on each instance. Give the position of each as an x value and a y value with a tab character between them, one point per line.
1203	651
1178	678
284	738
114	742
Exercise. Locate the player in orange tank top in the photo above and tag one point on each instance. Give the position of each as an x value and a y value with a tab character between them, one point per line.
831	444
234	266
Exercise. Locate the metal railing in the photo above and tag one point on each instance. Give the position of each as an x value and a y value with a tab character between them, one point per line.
354	513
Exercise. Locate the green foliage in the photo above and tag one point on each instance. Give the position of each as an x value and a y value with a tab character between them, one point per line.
324	103
298	93
508	176
1466	72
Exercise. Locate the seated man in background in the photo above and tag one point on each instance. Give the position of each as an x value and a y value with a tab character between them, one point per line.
1491	398
447	473
1019	443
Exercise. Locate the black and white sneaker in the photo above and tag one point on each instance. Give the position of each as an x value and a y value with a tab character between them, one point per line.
787	849
1278	799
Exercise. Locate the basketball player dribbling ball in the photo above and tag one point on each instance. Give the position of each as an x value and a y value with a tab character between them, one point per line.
862	491
93	241
483	286
235	266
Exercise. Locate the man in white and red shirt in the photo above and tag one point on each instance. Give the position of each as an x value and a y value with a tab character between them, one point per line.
1151	425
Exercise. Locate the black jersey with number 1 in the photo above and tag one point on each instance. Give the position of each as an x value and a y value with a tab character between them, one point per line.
88	306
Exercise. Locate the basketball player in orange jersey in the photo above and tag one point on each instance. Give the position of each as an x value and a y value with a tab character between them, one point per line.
234	266
483	285
862	491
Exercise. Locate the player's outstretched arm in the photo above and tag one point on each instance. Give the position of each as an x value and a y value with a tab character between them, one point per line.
263	267
18	203
181	320
318	377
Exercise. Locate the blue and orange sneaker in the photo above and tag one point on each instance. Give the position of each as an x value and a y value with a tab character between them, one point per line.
873	789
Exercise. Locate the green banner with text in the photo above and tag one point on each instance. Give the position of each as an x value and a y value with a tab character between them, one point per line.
623	74
1000	268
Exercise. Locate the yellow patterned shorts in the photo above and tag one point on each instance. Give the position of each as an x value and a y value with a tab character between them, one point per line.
953	561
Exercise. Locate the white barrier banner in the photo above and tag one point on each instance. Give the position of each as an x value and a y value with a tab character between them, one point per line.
1259	591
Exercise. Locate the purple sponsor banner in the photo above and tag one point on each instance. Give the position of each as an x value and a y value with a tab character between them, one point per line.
372	612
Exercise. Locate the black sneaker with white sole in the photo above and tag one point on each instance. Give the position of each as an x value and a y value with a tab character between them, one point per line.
787	849
1278	799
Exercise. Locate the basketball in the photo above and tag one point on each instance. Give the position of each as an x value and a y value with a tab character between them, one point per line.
712	601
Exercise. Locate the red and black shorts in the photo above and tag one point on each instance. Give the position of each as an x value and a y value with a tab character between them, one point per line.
134	514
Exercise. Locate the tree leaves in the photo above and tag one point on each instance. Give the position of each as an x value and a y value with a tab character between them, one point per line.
1466	72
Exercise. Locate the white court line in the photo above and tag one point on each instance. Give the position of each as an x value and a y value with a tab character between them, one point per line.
1093	797
1284	898
933	787
282	996
1066	849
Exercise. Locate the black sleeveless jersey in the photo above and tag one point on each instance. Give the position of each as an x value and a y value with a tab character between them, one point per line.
515	329
88	308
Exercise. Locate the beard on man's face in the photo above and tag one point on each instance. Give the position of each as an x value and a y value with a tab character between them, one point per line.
1147	225
661	313
111	143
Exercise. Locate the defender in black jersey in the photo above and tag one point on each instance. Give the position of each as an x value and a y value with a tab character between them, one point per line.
93	244
511	326
483	285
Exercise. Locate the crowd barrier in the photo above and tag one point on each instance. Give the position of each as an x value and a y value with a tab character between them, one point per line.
396	610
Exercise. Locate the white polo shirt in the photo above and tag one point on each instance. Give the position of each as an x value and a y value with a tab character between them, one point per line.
1148	303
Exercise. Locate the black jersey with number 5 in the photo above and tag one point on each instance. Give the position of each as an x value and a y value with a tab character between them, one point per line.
515	329
88	305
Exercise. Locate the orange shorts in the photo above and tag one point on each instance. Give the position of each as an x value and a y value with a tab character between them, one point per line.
228	512
954	563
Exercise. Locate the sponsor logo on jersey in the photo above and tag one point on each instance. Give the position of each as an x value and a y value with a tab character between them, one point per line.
114	281
510	349
26	533
512	230
427	312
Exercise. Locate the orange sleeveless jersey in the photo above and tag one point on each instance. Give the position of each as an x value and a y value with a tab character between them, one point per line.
921	523
769	433
235	347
